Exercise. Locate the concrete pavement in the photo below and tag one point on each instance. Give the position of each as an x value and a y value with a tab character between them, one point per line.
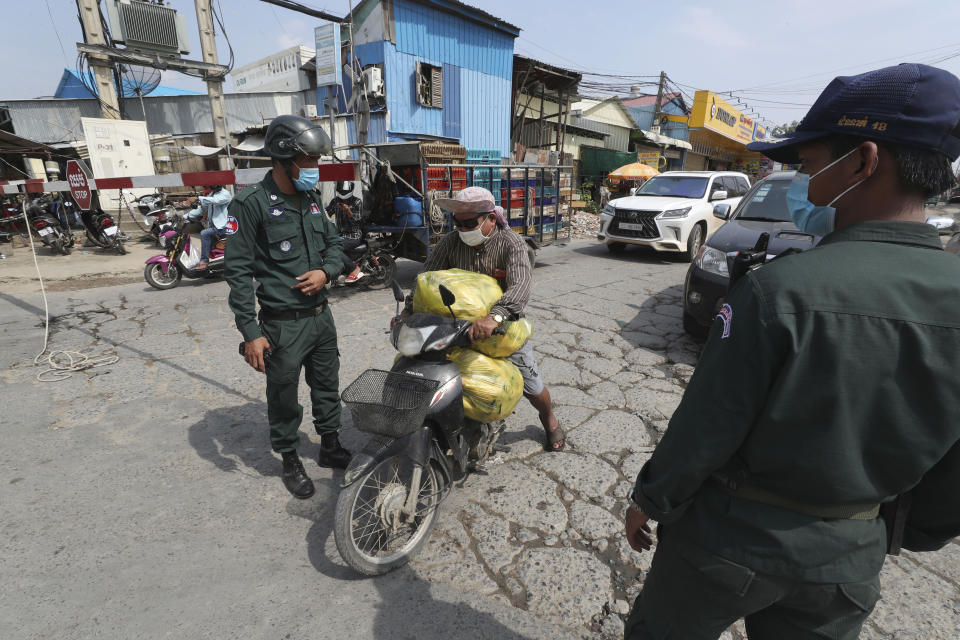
141	499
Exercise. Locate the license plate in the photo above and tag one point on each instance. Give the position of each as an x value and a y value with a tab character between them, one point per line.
631	226
110	231
45	231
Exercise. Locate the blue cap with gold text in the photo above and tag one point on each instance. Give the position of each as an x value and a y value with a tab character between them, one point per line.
909	104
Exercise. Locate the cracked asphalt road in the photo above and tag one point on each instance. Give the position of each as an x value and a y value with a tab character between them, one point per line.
141	499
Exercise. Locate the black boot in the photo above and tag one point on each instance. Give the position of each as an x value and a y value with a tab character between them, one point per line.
332	453
295	479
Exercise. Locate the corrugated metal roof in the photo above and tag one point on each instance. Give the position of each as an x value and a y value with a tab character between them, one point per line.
458	8
71	86
58	120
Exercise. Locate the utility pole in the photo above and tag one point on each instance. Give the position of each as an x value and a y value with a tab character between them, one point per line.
208	46
658	109
102	67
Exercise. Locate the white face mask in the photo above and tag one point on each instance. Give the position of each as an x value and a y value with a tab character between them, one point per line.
474	237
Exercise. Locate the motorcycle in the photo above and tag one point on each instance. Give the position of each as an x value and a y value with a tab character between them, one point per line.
377	264
103	231
180	260
421	443
53	229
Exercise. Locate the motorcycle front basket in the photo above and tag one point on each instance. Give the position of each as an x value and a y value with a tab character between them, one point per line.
389	403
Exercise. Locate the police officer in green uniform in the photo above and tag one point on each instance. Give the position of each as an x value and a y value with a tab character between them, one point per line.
828	386
281	236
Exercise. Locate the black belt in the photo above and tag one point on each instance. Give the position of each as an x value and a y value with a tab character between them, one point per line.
293	314
837	512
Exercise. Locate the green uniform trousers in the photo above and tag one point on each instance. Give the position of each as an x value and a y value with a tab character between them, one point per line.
692	594
308	343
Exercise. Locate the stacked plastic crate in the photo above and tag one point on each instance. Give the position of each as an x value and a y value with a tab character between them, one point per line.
487	178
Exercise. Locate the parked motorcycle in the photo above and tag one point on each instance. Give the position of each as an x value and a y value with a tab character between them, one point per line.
377	263
180	260
53	229
421	443
102	230
11	220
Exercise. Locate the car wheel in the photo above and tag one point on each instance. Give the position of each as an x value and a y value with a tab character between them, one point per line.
616	247
694	328
694	242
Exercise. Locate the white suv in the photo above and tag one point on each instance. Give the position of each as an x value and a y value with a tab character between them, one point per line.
672	211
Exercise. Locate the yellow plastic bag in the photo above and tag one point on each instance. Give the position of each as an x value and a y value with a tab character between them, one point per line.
502	346
476	293
492	387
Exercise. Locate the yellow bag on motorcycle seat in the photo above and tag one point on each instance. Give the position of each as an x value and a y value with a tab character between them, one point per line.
496	346
492	387
476	293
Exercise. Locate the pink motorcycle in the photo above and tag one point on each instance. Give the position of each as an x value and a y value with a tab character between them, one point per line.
180	260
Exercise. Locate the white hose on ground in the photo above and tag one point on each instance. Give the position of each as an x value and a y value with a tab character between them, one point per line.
61	364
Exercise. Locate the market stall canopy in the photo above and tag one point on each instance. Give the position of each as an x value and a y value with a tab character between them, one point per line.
253	143
667	141
634	171
200	150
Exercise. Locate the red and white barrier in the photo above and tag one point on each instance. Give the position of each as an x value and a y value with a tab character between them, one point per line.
332	172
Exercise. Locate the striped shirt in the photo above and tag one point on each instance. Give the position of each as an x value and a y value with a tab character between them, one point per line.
503	256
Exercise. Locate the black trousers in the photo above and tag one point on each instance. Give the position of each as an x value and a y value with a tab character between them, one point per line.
350	254
691	594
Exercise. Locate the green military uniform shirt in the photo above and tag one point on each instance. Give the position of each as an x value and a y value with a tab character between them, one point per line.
275	238
830	377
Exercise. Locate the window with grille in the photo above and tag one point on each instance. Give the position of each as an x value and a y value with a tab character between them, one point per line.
429	85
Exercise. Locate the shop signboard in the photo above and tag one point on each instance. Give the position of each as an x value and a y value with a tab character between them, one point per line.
649	158
712	112
327	38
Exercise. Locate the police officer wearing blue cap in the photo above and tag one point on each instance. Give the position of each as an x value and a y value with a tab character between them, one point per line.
827	393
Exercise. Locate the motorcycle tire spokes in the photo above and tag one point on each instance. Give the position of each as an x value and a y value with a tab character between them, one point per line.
375	533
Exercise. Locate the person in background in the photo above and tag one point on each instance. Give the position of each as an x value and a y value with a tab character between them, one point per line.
212	207
345	208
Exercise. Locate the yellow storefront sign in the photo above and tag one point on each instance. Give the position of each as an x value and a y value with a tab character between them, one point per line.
712	112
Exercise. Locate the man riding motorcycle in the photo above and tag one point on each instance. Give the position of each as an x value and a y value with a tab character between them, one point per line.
345	209
212	206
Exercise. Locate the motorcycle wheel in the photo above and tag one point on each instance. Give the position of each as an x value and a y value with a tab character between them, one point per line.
96	241
121	250
153	274
61	246
381	275
371	533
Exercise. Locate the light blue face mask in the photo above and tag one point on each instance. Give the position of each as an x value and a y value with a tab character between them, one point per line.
817	220
307	179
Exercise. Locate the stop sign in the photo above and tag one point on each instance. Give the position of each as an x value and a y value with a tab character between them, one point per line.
79	185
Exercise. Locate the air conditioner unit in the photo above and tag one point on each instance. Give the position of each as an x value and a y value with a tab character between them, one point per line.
146	26
308	111
373	81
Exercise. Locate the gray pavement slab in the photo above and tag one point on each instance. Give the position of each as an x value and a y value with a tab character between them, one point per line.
141	499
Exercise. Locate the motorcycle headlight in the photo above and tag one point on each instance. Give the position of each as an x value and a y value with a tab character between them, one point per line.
713	260
608	211
675	213
409	341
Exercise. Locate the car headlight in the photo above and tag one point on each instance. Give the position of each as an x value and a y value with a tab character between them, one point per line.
675	213
608	211
713	260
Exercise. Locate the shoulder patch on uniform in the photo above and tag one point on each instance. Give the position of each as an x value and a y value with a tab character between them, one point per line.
726	314
231	226
276	211
246	193
314	209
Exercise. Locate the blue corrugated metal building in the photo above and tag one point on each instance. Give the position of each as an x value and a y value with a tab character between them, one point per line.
467	52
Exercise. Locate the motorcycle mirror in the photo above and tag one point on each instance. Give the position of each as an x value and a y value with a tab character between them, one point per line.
397	291
447	296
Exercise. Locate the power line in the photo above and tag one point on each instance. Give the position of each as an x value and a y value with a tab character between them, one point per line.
56	31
